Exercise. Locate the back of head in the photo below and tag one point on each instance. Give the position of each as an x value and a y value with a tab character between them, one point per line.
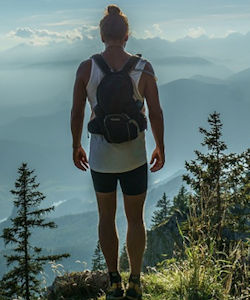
114	25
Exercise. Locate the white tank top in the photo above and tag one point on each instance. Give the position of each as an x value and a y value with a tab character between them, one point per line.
110	157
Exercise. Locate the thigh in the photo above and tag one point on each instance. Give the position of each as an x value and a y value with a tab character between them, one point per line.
134	186
105	189
104	182
106	205
134	205
134	182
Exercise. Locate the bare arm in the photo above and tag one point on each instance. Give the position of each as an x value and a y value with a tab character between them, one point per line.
77	114
155	117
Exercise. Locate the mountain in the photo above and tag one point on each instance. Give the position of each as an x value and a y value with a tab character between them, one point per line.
47	130
58	178
181	60
45	140
207	79
163	240
172	68
243	76
231	51
77	233
171	60
238	82
169	186
186	104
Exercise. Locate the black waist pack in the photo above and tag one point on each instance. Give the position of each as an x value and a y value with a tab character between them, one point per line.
118	115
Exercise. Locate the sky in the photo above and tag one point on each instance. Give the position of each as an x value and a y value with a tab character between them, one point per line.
43	22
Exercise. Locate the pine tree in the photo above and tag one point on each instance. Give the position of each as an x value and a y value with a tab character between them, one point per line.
180	202
21	280
218	220
215	179
238	183
124	262
98	261
163	212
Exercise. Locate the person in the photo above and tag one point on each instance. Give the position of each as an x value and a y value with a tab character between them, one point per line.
125	162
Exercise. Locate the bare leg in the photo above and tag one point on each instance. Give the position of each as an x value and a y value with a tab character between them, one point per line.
108	236
136	234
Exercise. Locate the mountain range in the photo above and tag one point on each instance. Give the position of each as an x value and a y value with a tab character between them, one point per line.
44	141
77	233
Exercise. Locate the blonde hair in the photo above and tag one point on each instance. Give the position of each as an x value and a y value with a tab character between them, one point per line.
114	24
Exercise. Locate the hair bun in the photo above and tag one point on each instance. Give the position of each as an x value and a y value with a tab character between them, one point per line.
113	9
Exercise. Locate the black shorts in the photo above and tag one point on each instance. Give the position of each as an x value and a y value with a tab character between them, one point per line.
132	182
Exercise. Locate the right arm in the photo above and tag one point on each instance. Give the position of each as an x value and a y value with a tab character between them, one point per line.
156	118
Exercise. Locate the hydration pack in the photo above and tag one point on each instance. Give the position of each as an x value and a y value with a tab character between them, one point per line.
118	115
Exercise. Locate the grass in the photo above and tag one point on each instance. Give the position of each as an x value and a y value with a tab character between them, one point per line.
175	283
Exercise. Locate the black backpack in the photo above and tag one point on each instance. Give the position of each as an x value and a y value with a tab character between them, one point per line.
118	115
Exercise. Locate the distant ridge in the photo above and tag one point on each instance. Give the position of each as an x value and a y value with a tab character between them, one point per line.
242	76
208	79
181	60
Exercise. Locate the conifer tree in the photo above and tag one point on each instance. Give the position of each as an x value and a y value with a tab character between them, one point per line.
21	281
98	261
215	176
219	208
124	262
180	201
238	183
163	212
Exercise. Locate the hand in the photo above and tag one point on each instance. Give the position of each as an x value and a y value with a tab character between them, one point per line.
80	158
158	158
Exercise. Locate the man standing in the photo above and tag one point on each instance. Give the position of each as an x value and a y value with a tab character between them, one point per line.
125	162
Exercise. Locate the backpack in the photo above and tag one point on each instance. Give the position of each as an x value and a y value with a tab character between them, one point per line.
118	115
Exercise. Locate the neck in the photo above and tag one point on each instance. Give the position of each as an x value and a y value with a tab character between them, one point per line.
113	47
114	50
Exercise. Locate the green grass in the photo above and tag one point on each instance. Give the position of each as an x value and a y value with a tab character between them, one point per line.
174	284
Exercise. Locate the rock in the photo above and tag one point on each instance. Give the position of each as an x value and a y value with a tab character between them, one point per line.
79	285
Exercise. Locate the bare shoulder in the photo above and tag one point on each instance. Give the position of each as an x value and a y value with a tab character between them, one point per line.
149	73
148	67
83	70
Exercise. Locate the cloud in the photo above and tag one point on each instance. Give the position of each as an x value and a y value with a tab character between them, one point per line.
65	22
23	32
148	34
156	31
42	37
228	32
196	32
157	28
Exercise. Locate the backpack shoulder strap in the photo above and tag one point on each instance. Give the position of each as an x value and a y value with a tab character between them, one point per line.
101	63
145	71
131	63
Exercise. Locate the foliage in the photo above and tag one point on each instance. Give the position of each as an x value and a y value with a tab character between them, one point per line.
163	212
222	178
98	261
180	202
218	213
21	280
216	231
124	261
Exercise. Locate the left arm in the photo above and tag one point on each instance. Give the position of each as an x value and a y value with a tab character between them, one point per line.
77	115
78	109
